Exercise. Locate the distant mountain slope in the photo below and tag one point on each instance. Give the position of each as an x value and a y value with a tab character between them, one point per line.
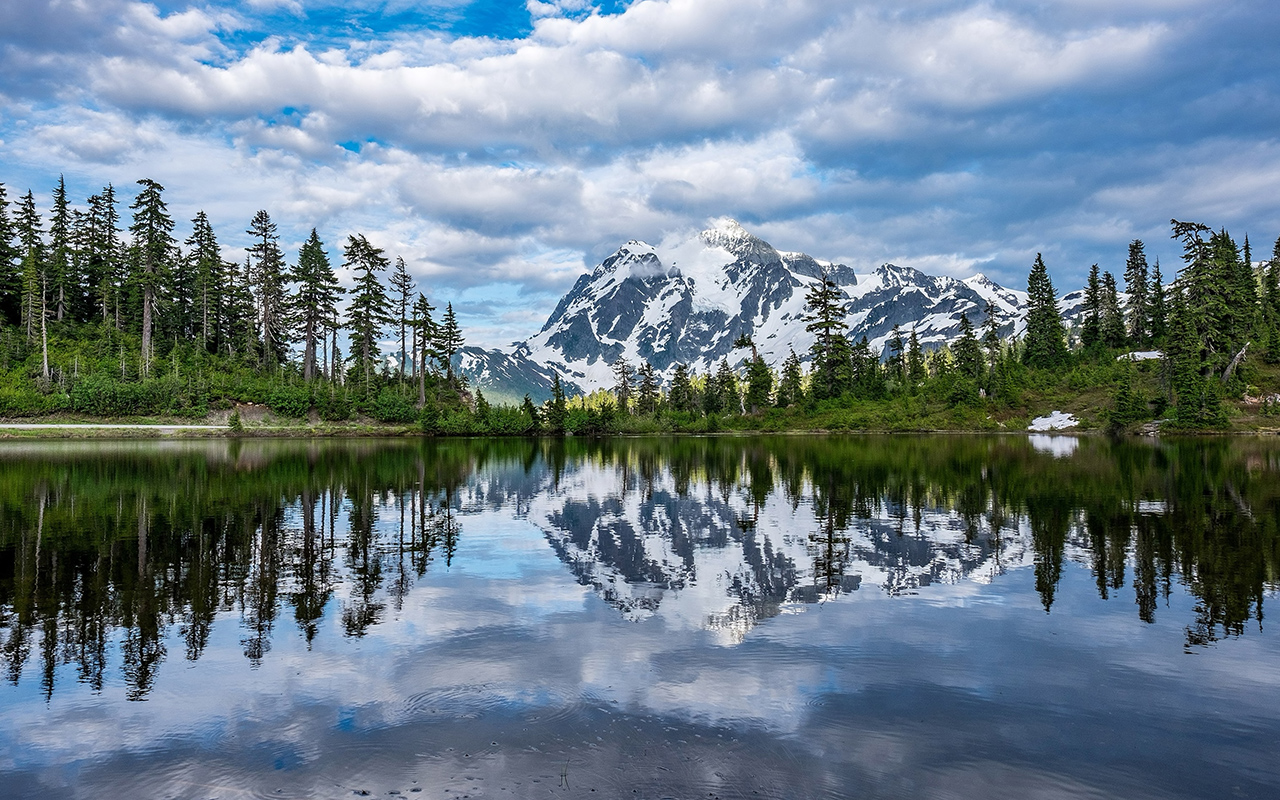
687	302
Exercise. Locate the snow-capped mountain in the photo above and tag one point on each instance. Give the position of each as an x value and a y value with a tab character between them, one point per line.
687	301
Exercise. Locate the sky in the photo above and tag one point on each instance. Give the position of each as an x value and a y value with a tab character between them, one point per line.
503	148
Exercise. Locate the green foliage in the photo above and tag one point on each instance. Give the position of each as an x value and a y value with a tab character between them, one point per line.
392	406
290	401
333	405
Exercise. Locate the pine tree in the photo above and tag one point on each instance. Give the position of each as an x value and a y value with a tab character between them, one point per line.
152	232
316	301
1091	311
791	387
1157	314
369	312
967	352
868	377
759	384
10	256
267	277
648	391
425	334
104	267
1136	282
915	361
824	318
991	335
557	412
726	381
1111	328
31	246
623	380
681	396
896	363
206	266
450	341
402	288
60	251
1045	347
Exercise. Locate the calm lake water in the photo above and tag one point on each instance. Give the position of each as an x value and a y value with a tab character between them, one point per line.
785	617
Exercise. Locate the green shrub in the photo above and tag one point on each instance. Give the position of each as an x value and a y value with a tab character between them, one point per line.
333	406
391	406
290	401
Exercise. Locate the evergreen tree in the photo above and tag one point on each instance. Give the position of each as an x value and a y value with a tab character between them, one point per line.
557	412
1136	282
648	391
316	301
402	288
267	277
31	246
369	312
915	361
206	267
623	379
61	278
1045	347
425	335
10	256
104	268
450	341
681	396
1111	329
991	335
153	243
235	319
967	352
726	381
824	318
868	377
896	364
791	387
1157	315
759	384
712	401
1091	311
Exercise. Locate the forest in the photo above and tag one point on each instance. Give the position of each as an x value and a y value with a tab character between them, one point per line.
105	314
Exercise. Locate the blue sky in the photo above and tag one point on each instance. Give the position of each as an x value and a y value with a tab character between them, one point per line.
503	147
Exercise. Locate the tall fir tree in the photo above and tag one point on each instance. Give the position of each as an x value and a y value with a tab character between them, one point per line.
61	275
681	395
648	390
1111	327
152	232
205	257
1136	281
449	343
623	384
829	355
10	278
31	247
316	300
791	387
967	352
402	295
1091	311
1045	347
369	312
1157	313
759	384
267	277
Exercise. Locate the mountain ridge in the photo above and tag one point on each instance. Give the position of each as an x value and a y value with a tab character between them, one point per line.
687	300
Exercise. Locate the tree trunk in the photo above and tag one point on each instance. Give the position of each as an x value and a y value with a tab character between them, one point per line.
309	355
44	330
146	330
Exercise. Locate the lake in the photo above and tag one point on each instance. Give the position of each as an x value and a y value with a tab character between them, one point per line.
750	617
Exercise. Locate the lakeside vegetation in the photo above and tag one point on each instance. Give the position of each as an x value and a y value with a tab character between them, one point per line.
101	322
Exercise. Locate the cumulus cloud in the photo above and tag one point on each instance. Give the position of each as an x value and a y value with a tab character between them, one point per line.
950	134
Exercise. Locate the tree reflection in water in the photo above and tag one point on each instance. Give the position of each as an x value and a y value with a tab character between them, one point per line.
113	548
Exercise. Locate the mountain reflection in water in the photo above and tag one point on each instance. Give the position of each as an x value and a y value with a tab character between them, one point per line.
107	550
